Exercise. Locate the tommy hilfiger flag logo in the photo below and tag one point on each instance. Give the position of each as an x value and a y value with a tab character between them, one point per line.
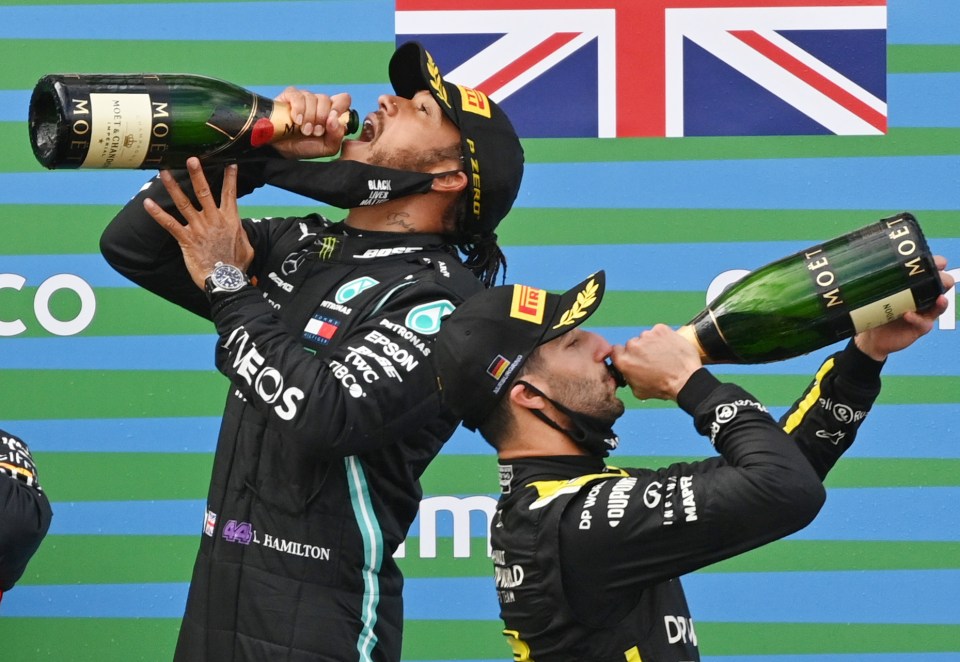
321	329
664	67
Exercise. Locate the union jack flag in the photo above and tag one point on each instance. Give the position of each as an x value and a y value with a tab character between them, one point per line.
664	67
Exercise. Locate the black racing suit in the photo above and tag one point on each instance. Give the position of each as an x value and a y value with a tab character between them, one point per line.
332	416
24	510
588	556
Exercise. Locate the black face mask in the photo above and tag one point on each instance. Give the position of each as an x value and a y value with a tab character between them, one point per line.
347	184
592	434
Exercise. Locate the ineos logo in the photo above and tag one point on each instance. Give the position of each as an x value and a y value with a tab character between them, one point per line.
41	304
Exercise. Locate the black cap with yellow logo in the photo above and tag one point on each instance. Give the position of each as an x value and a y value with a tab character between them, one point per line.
483	343
493	157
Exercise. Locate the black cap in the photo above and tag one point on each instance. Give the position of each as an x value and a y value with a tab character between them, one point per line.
493	157
483	343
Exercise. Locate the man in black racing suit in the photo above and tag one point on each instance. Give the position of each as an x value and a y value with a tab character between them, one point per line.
25	512
325	332
587	557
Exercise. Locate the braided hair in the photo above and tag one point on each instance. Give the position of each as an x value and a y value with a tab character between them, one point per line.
480	252
484	258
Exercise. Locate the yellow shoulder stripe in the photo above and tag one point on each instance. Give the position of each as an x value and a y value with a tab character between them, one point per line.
812	397
548	490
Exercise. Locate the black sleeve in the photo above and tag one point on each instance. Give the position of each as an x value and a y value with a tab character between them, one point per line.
652	525
824	422
141	250
24	510
25	520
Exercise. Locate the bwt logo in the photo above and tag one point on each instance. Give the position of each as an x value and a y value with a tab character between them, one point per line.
41	304
946	322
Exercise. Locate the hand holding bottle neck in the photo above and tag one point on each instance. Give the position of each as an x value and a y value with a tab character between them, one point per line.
295	141
284	125
657	363
688	333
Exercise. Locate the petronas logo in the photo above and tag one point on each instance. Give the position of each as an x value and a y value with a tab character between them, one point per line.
328	248
426	317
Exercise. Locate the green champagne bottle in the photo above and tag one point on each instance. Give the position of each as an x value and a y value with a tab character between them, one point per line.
818	296
151	121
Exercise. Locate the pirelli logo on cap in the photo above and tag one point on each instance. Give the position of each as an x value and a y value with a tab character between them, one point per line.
528	304
474	101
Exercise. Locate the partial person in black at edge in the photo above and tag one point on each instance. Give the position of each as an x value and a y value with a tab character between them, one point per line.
587	557
325	331
25	512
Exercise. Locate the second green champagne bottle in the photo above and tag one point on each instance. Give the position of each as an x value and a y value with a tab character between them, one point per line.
820	295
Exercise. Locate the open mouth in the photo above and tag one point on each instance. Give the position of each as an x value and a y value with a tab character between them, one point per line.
369	130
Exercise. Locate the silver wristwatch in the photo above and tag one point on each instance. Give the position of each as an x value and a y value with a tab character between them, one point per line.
225	279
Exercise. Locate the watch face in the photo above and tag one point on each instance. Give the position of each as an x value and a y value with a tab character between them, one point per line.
228	277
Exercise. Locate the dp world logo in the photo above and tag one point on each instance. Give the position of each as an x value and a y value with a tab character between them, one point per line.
426	318
349	290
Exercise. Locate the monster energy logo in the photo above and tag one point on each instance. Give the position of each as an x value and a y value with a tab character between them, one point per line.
327	248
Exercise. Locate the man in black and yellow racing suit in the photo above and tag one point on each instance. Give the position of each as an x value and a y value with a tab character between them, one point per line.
588	556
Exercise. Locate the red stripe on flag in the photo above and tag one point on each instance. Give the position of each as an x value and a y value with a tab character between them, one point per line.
473	5
813	78
534	56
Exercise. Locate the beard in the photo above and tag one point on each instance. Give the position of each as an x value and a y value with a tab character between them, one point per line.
587	396
415	160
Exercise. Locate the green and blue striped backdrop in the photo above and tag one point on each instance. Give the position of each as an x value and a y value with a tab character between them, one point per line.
122	410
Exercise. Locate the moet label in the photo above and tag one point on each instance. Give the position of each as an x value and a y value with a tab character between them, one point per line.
823	277
907	248
880	312
120	129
